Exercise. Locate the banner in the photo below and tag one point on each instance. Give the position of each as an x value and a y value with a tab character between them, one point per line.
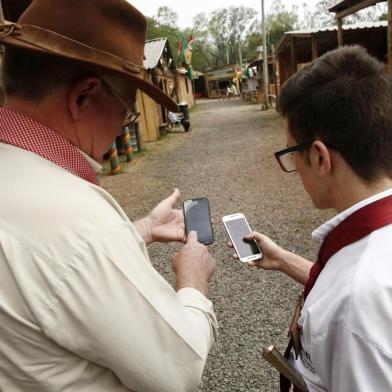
185	54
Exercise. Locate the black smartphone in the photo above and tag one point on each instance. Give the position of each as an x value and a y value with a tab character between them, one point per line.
198	218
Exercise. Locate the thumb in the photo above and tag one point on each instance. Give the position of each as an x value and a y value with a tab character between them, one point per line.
192	236
174	197
250	236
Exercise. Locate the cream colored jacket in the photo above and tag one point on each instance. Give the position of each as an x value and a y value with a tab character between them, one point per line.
81	307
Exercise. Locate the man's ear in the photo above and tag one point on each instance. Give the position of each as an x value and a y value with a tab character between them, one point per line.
320	158
82	94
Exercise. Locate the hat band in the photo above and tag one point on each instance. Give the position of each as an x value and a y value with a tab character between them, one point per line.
57	44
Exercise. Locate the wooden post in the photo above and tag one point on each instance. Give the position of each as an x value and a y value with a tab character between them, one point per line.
114	159
340	32
389	40
274	72
206	84
127	144
314	48
293	55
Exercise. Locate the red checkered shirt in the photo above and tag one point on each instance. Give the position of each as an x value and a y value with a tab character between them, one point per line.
23	132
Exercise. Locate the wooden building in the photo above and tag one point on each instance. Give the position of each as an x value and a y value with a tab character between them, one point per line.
185	91
219	78
255	80
298	48
160	70
199	85
349	7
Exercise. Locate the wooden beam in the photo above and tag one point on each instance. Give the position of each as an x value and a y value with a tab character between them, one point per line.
314	48
340	32
389	40
357	7
293	55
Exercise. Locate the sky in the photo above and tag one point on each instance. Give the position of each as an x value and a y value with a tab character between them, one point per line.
186	10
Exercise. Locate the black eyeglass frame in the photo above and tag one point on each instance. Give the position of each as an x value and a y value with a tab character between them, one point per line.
298	147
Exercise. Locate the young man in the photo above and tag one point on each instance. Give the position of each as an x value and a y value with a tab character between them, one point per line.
81	307
338	112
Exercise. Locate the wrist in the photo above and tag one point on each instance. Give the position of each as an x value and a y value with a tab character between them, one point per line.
144	227
282	261
198	284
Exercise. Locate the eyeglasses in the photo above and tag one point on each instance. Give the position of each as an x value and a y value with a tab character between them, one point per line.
285	157
130	116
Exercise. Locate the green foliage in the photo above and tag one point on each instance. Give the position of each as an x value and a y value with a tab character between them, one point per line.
156	29
278	22
166	16
219	36
384	16
249	48
227	27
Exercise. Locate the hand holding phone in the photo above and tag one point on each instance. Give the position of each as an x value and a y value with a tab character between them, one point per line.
198	218
237	228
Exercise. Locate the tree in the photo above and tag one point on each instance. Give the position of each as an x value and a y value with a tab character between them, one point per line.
202	53
166	16
279	21
227	27
322	17
252	41
156	29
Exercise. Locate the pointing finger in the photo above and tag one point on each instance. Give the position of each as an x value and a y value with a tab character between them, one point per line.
192	236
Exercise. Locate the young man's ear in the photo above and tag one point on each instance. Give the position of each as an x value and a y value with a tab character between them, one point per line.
81	95
320	158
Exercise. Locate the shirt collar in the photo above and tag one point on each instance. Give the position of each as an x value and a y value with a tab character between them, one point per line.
321	232
93	163
28	134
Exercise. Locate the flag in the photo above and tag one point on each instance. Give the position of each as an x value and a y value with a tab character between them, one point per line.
182	45
185	54
188	51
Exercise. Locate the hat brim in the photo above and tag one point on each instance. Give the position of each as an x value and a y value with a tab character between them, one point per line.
47	42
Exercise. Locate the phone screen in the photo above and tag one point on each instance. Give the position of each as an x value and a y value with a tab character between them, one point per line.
198	218
238	229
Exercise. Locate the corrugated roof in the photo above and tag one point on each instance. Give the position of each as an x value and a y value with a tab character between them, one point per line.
356	26
343	5
308	33
153	50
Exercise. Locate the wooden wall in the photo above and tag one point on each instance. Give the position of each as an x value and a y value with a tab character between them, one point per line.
184	94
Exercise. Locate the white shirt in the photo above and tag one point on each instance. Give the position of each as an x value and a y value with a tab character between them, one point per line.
347	317
81	307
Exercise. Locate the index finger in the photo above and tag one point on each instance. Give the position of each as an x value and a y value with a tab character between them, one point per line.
192	236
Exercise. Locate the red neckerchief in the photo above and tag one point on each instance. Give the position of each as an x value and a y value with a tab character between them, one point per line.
355	227
25	133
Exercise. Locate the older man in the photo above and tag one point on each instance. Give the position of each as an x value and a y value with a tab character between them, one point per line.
338	113
81	307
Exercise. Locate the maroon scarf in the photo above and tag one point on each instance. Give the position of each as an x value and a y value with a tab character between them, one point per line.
355	227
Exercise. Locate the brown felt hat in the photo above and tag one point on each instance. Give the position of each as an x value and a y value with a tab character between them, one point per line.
109	35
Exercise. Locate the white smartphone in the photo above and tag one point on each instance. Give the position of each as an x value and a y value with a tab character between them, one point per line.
237	228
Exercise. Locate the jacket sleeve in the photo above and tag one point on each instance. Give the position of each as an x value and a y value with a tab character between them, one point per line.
113	308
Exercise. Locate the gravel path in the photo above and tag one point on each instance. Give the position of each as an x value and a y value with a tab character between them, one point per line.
228	157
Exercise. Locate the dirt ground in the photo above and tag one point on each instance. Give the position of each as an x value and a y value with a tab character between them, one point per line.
228	157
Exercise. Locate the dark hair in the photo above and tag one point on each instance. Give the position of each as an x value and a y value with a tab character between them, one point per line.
344	98
33	76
